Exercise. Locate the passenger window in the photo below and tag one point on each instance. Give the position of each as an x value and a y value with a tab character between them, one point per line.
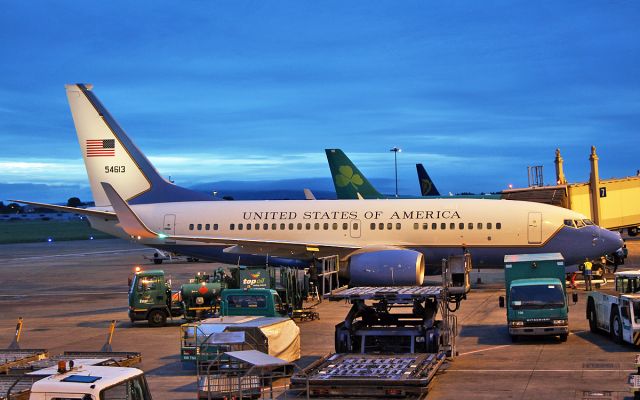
452	225
434	226
489	226
460	225
308	226
335	226
274	226
498	225
345	226
398	225
199	227
316	226
299	226
416	225
373	226
389	225
479	225
443	225
470	225
290	226
240	226
355	226
206	227
190	227
215	227
282	226
232	227
381	226
425	226
257	227
248	227
325	226
265	227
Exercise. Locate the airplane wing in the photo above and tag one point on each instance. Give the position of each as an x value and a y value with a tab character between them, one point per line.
135	227
81	211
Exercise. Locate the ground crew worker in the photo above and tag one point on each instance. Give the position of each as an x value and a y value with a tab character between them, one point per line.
587	275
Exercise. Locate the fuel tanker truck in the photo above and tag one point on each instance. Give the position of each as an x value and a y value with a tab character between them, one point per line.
206	295
151	298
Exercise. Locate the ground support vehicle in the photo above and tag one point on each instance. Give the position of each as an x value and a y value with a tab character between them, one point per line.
151	298
160	256
71	380
617	311
381	350
100	358
536	296
276	336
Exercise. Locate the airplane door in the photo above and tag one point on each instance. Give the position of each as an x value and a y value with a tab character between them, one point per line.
169	226
355	228
535	228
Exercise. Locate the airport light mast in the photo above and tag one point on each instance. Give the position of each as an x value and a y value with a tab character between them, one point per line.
395	151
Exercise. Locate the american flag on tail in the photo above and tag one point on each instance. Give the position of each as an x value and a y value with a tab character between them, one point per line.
101	147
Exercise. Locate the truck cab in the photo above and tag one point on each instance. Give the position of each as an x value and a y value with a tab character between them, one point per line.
617	311
150	298
252	302
536	298
92	383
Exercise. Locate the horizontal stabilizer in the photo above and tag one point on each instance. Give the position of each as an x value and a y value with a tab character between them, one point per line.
129	221
74	210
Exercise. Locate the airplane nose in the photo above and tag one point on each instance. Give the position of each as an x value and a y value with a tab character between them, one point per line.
611	241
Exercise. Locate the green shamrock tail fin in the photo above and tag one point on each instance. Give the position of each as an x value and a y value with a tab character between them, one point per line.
347	178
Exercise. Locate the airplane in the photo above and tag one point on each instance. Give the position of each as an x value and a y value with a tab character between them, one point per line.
427	187
111	156
381	241
350	183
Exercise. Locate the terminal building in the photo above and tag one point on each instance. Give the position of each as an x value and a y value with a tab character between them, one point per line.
611	203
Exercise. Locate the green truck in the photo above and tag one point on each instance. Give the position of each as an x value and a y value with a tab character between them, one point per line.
246	293
536	295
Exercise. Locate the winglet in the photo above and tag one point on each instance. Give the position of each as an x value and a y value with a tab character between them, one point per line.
129	221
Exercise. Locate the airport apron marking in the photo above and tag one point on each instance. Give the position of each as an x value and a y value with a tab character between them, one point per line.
78	254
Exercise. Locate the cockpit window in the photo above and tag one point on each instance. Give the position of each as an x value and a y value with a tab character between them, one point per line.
579	223
588	222
569	222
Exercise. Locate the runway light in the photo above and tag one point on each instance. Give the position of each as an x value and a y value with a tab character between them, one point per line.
162	235
90	237
49	239
139	237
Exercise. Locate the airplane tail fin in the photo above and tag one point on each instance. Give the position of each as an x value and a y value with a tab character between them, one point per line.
347	178
110	156
427	187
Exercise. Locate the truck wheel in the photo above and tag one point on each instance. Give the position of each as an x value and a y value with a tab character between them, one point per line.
515	338
616	327
157	318
563	337
593	319
157	260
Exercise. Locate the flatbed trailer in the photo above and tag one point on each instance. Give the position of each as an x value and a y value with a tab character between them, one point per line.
97	358
10	358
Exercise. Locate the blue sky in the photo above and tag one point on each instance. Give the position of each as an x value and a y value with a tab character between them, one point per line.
255	90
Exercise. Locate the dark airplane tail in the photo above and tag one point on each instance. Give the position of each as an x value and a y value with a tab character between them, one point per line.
427	187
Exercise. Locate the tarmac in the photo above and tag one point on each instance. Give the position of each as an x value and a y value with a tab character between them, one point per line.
68	292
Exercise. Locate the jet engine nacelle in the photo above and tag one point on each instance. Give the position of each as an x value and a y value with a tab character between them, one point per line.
393	267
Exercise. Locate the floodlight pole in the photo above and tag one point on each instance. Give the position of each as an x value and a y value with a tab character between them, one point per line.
395	151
